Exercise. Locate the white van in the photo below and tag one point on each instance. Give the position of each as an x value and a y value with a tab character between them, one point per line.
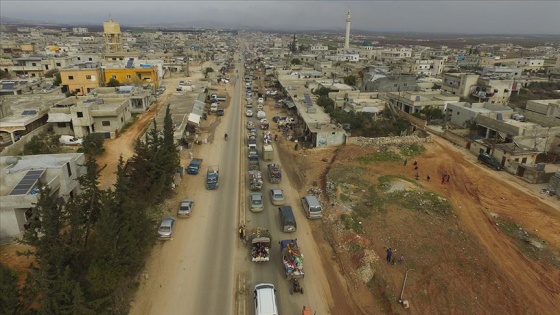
265	299
70	140
312	207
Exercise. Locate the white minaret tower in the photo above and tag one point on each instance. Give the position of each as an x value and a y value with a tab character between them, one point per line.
347	38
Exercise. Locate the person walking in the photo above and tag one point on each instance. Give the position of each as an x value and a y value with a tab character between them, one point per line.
405	162
389	254
401	259
190	154
428	178
442	179
447	179
415	163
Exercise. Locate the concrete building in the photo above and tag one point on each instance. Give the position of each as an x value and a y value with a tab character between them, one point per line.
27	67
85	115
412	102
113	37
459	83
492	90
318	48
19	186
140	99
82	78
543	112
131	74
460	113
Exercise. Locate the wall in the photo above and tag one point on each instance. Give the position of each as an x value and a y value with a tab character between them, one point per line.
17	148
380	141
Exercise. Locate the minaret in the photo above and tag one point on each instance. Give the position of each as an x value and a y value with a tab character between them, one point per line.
113	36
347	38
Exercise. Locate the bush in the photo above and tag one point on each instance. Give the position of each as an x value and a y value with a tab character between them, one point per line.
93	144
46	143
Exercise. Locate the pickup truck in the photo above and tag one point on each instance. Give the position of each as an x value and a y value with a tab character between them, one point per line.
274	173
292	259
212	176
260	245
194	166
218	97
255	176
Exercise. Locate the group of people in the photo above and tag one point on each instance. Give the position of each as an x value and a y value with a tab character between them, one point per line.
444	178
391	259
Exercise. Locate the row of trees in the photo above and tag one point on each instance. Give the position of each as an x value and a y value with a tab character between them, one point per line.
89	250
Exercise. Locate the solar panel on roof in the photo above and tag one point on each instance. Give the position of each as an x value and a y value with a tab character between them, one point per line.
307	99
27	182
29	112
129	63
91	100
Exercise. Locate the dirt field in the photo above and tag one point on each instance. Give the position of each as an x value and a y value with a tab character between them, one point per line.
477	244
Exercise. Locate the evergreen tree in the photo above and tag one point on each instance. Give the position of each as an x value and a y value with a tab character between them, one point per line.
8	290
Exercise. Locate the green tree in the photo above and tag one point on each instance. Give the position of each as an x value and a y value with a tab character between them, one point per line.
45	143
93	144
296	61
322	91
208	70
57	80
350	80
113	83
9	302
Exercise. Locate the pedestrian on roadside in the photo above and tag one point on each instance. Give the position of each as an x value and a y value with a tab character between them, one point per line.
428	177
241	232
405	162
417	176
447	179
415	163
401	259
190	154
416	167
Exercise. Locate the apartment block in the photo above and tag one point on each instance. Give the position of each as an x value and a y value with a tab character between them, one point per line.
81	78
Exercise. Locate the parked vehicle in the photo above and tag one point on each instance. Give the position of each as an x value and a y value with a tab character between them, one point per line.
265	299
292	258
274	173
185	208
212	176
251	138
256	203
194	166
249	113
220	111
268	152
277	196
287	219
250	125
217	97
312	207
70	140
260	100
165	229
489	160
253	155
264	123
260	245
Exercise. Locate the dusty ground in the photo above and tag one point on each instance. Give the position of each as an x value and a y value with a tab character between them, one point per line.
483	257
123	145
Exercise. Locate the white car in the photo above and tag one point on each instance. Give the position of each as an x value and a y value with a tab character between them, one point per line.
249	113
260	100
70	140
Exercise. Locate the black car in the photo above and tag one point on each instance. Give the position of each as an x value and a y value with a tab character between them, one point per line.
489	160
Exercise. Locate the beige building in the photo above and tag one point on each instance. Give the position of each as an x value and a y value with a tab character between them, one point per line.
459	83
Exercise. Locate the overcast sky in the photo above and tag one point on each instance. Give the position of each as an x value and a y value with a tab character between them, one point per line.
443	16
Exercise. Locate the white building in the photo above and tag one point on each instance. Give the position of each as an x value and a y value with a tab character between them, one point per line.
19	186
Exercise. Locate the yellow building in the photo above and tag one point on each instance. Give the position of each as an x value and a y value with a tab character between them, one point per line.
81	78
139	76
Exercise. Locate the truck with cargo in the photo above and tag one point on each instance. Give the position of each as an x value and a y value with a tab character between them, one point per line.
292	259
194	166
260	245
212	176
274	173
268	152
255	176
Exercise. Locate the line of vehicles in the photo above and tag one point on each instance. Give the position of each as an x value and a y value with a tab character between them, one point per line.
261	167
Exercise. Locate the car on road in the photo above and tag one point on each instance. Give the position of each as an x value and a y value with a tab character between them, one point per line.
249	113
265	299
185	208
165	229
256	202
277	196
181	83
